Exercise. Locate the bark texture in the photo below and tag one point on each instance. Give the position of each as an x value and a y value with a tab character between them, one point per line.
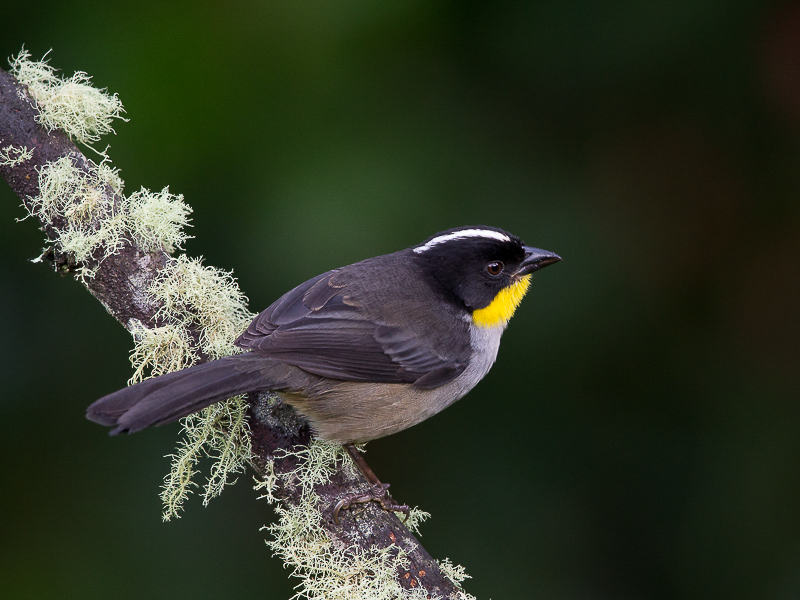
120	285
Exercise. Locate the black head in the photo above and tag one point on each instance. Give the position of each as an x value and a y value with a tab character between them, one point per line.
473	264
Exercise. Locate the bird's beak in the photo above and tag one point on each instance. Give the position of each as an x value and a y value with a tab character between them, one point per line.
536	259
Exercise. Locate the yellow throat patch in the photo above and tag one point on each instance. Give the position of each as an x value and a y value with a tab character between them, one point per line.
503	306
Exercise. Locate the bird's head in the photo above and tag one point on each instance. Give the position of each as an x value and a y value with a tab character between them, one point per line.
485	269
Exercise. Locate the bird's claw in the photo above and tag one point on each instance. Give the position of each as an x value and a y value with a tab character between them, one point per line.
377	493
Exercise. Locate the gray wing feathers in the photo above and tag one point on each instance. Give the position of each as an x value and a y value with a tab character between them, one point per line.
323	329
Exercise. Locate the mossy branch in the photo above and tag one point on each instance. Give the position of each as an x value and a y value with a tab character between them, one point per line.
119	249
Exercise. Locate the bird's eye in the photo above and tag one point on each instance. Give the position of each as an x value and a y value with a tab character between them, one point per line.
494	268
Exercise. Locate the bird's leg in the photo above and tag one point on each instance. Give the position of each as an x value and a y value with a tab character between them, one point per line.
379	492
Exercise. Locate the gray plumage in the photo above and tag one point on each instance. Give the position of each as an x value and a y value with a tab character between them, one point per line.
362	351
330	356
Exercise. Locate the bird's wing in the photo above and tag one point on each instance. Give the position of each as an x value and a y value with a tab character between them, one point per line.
322	327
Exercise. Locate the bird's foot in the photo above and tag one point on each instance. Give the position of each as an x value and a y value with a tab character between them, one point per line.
377	493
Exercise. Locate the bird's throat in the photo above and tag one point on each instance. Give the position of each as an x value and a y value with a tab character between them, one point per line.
503	306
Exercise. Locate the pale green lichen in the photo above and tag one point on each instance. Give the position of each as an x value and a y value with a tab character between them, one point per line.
329	569
156	220
219	432
82	207
455	573
73	105
196	297
416	517
268	483
76	203
160	350
109	175
12	156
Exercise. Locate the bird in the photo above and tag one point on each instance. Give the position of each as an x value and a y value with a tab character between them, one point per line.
362	351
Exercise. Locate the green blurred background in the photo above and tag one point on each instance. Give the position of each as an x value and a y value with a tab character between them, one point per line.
638	437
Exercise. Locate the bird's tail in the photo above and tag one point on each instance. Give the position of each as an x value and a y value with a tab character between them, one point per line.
169	397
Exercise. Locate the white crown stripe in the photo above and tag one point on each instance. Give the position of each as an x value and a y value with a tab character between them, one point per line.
464	233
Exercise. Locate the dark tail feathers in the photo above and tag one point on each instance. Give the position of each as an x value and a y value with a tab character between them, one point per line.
169	397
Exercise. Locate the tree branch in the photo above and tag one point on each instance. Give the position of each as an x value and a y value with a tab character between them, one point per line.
121	278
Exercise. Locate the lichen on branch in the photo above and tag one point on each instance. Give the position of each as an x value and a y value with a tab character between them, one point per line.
88	219
329	569
81	208
73	105
91	219
11	155
194	297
